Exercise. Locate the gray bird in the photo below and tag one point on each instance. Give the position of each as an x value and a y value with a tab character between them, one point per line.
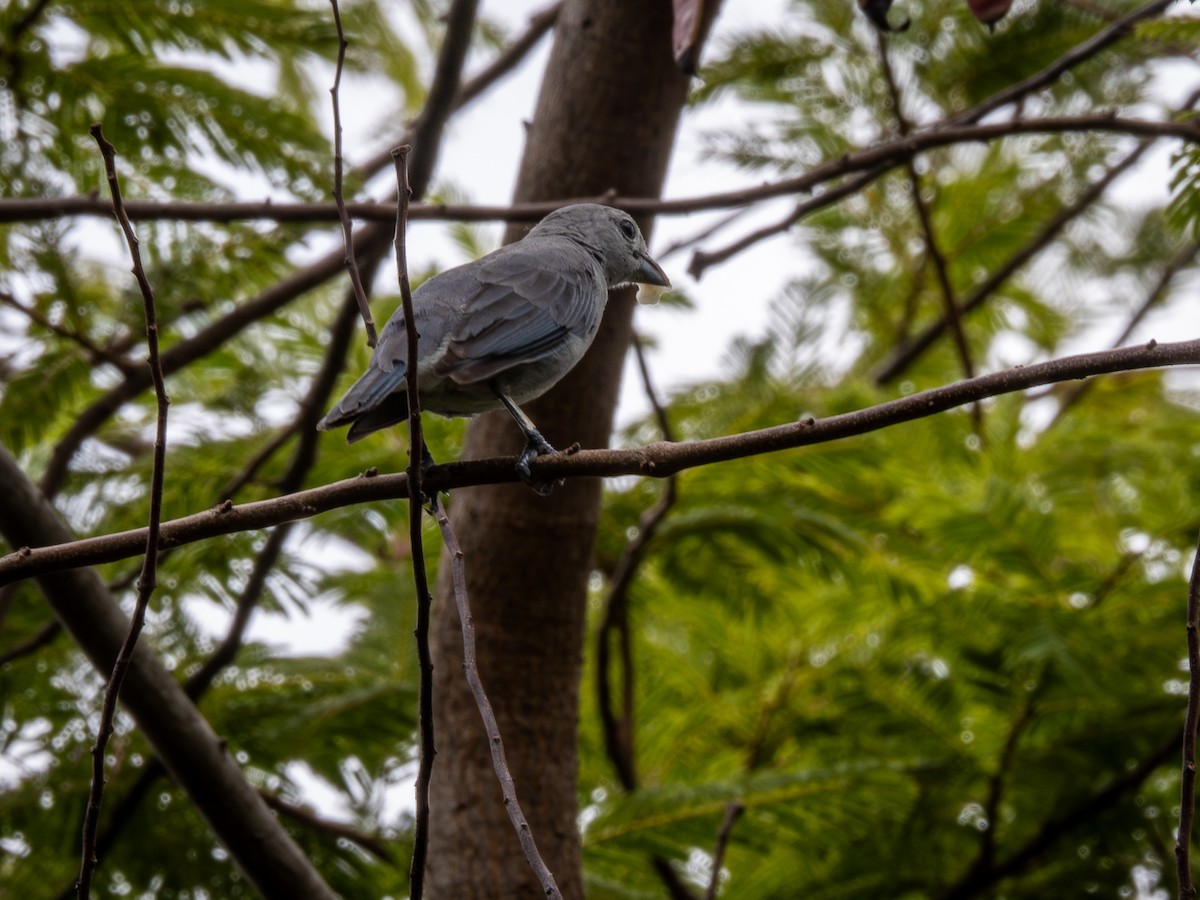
505	328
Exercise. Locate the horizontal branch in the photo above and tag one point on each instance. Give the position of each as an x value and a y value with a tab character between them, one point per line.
656	460
889	153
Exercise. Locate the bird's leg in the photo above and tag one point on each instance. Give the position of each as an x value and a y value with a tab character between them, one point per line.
427	463
535	445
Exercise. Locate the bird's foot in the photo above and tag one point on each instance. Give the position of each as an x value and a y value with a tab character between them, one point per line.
427	463
535	446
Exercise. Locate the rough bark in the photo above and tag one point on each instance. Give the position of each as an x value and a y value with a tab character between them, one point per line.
605	119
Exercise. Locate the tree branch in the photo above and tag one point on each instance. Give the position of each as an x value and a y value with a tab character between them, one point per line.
873	160
1187	788
179	735
911	350
657	460
339	200
340	830
470	666
1052	830
148	580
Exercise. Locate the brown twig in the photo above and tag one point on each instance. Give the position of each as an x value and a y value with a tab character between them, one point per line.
869	161
975	884
471	668
907	353
1181	260
733	812
932	250
33	643
1080	53
148	580
657	460
416	462
360	295
618	730
340	830
1187	788
507	60
97	353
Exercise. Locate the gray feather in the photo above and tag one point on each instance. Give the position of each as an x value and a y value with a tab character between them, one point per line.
514	321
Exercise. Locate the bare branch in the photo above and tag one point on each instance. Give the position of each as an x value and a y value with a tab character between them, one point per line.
148	580
496	744
872	161
908	352
360	295
975	884
416	462
1187	802
657	460
1103	39
1181	260
97	353
340	830
932	250
35	642
733	812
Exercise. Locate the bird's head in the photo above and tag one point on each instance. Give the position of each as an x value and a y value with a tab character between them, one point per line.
612	237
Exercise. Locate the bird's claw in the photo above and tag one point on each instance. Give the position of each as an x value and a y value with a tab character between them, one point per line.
536	446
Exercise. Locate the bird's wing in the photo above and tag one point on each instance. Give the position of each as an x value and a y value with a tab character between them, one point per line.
525	303
383	377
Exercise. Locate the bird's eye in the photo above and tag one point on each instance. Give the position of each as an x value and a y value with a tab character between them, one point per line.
628	228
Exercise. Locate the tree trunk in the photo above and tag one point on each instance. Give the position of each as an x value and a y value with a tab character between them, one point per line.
606	118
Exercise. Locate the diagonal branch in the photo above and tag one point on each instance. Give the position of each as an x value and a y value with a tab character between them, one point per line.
1058	827
911	350
1160	289
932	250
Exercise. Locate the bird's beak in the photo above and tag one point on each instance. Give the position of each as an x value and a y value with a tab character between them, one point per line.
650	272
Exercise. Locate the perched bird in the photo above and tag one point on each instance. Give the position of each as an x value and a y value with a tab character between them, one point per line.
505	328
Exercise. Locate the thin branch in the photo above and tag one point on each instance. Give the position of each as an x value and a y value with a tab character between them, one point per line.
416	452
1081	53
507	60
360	295
340	830
907	353
471	668
986	857
932	250
618	730
148	580
1052	830
1187	788
1181	260
657	460
872	161
733	812
32	644
702	260
97	353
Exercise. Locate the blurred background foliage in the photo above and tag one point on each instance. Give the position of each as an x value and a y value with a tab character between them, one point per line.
944	659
